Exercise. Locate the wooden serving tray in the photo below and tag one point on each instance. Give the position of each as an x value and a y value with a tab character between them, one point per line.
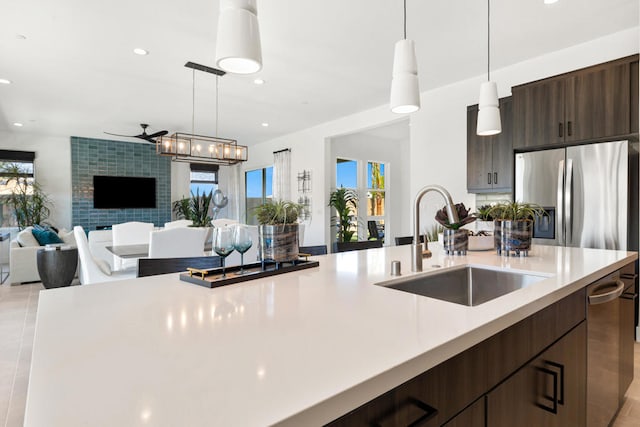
211	278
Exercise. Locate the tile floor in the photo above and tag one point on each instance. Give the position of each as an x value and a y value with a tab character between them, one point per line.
18	306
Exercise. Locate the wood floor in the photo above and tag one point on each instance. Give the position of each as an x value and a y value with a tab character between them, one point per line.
18	306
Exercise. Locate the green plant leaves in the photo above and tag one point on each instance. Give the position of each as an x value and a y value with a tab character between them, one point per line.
345	202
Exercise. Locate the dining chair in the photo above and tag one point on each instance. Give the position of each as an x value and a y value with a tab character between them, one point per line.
155	266
177	242
130	233
178	223
93	270
407	240
356	246
313	250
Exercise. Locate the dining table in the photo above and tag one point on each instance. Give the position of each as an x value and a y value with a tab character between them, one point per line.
138	251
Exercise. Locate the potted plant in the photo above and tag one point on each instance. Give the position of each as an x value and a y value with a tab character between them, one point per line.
484	221
513	226
454	237
278	230
345	202
30	205
195	208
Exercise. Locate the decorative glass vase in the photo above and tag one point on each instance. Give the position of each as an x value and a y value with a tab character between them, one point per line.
455	241
278	243
515	237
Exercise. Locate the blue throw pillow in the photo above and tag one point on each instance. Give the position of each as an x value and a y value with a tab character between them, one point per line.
46	237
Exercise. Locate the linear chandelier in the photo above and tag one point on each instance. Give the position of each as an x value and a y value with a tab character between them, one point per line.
192	148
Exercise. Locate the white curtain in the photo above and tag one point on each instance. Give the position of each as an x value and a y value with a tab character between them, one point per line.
282	175
233	208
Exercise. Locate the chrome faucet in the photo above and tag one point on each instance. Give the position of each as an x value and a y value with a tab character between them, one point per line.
417	247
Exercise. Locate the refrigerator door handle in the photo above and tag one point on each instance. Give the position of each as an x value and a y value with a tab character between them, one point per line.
559	204
568	193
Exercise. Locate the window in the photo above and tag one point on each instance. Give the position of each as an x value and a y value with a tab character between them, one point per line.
16	168
375	198
203	178
366	177
258	190
347	177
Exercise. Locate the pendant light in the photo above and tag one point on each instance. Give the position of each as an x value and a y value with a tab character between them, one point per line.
405	93
488	106
238	47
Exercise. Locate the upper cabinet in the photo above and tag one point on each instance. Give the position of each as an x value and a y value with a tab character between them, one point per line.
490	158
588	104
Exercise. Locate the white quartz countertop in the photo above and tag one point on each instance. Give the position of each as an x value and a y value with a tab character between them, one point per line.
301	348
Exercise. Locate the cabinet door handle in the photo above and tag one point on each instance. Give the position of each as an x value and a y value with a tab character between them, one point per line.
415	412
560	130
554	398
595	298
569	128
495	177
489	178
560	367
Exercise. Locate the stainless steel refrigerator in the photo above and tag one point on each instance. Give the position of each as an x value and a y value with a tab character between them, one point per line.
591	195
589	191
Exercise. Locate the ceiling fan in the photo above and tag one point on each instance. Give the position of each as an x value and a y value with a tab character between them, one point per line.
144	135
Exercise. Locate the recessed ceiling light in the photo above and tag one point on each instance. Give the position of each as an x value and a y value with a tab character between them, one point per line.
16	124
259	81
550	1
140	51
266	125
21	37
5	81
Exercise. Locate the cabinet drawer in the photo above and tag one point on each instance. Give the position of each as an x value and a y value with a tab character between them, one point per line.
454	384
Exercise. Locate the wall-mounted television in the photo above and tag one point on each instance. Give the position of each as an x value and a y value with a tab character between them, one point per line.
120	192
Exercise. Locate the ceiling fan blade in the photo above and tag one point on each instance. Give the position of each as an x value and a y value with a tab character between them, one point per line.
157	134
151	141
125	136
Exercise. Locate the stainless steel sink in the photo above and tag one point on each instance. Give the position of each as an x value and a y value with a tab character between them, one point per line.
465	285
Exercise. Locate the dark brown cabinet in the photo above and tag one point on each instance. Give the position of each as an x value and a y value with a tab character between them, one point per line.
441	394
490	158
549	391
589	104
532	373
628	301
473	416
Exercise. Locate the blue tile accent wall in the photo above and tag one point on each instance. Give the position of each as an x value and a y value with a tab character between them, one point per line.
91	157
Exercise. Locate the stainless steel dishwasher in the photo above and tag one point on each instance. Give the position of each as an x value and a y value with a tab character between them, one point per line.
603	349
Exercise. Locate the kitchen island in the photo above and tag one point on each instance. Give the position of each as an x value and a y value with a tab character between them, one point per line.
302	348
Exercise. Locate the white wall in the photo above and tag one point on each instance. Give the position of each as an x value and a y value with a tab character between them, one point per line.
52	169
310	151
437	143
180	182
437	150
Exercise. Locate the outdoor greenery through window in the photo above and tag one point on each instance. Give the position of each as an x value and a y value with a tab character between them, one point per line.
375	198
16	185
347	177
203	178
258	190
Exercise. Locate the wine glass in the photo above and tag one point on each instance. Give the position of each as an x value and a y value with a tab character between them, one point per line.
241	242
223	244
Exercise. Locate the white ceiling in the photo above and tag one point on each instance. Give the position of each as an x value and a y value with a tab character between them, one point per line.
75	73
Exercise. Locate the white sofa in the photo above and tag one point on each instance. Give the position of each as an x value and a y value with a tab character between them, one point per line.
23	252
